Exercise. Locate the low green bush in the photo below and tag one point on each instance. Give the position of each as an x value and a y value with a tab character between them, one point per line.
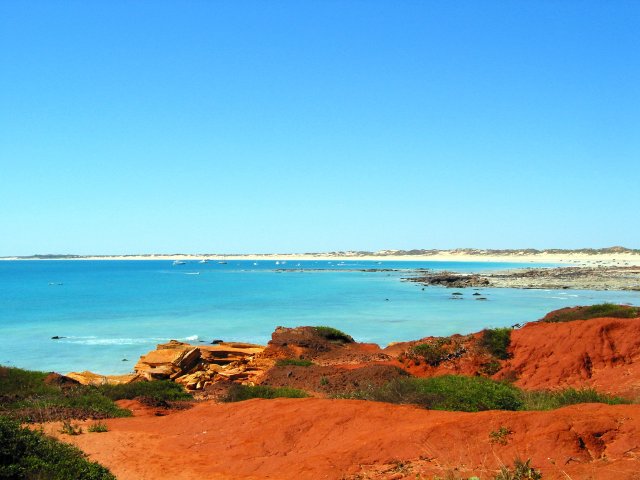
26	397
550	400
593	311
296	362
432	352
238	393
496	341
157	390
448	392
26	454
473	394
333	334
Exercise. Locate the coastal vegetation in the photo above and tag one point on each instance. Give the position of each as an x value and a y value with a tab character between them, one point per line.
154	392
333	334
474	394
601	310
295	362
448	392
496	341
238	393
436	351
30	454
31	396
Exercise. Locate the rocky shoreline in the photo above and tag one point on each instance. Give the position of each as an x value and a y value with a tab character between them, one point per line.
563	278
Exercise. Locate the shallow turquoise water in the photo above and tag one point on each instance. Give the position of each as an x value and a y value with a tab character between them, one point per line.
111	310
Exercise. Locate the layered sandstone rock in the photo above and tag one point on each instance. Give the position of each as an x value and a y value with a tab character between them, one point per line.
90	378
196	367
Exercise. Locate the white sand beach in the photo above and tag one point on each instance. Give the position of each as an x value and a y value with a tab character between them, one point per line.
516	256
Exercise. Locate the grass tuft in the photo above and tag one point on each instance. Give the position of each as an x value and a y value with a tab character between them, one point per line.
98	427
69	428
296	362
238	393
550	400
522	470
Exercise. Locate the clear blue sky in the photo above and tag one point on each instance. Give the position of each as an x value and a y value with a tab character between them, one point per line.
277	126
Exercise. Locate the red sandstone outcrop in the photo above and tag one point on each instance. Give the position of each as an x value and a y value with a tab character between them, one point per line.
196	367
601	353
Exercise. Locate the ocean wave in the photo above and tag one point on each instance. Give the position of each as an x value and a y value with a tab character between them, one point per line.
192	338
111	341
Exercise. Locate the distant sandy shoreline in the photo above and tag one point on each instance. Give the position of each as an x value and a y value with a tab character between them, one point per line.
575	258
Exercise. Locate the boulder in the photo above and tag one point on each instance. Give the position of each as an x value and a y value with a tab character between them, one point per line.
169	360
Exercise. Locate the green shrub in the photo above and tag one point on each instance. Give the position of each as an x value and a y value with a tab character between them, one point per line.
432	352
24	396
550	400
593	311
449	392
157	390
296	362
26	454
521	471
238	393
333	334
496	341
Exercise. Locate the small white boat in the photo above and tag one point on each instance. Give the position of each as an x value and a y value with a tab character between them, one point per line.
222	262
204	260
179	262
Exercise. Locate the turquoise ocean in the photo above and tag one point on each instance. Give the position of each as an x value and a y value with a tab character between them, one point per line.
108	311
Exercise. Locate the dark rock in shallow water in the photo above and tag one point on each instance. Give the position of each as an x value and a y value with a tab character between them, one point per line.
56	337
481	298
451	280
216	341
456	293
476	294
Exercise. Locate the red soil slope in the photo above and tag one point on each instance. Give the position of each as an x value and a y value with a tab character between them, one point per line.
334	439
601	353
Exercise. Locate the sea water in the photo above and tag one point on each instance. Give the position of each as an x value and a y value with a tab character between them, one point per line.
111	312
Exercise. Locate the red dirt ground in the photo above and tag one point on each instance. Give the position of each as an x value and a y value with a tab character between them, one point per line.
335	439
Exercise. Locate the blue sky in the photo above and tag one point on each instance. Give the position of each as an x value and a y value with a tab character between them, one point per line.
280	126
